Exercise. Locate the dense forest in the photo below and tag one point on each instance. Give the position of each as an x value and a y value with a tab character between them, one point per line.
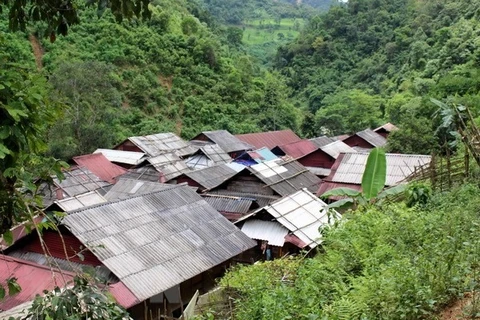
373	61
170	73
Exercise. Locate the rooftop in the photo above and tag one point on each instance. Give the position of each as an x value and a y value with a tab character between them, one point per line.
322	141
285	176
126	157
349	167
335	148
371	137
155	241
100	166
297	149
388	127
269	139
227	141
156	144
214	176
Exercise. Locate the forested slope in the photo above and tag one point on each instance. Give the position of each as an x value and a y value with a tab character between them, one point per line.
175	72
371	61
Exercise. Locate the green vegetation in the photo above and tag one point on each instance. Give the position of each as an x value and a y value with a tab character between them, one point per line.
371	61
391	262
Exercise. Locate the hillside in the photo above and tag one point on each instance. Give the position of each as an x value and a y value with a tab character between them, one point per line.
369	62
175	72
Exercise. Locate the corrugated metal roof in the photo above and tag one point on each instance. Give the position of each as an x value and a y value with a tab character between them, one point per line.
269	139
212	177
76	181
81	201
349	167
227	141
207	156
127	188
100	166
270	231
388	127
156	144
335	148
322	141
321	172
21	230
169	164
285	176
303	214
228	204
261	199
155	241
372	137
297	149
32	278
145	173
127	157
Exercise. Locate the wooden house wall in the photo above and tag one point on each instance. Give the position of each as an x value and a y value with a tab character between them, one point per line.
384	133
356	141
203	282
128	146
318	159
56	248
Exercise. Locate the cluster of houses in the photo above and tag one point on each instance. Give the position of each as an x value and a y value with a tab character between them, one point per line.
158	217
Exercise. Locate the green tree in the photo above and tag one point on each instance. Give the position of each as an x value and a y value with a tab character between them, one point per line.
88	89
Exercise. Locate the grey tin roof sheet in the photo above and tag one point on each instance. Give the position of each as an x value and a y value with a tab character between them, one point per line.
227	141
127	188
302	213
261	199
169	164
270	231
372	137
145	173
80	201
335	148
399	166
228	204
156	144
212	177
120	156
322	141
285	176
158	240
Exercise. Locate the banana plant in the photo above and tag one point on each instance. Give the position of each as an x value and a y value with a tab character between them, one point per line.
373	182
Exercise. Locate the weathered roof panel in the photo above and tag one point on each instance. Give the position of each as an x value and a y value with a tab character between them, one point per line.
156	144
146	240
127	188
335	148
169	164
227	141
76	181
80	201
207	156
120	156
100	166
270	231
261	199
212	177
298	149
372	137
285	176
269	139
228	204
322	141
349	167
303	214
145	173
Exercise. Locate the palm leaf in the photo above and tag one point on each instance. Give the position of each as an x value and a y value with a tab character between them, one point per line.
375	174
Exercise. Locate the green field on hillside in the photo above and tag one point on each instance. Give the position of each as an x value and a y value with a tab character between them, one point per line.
260	31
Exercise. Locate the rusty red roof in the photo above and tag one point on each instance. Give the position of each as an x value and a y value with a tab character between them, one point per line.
32	278
123	295
298	149
20	231
100	166
328	185
269	139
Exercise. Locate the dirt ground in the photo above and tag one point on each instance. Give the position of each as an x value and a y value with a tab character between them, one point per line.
455	311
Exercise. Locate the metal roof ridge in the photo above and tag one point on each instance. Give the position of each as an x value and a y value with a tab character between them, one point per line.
175	186
33	264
